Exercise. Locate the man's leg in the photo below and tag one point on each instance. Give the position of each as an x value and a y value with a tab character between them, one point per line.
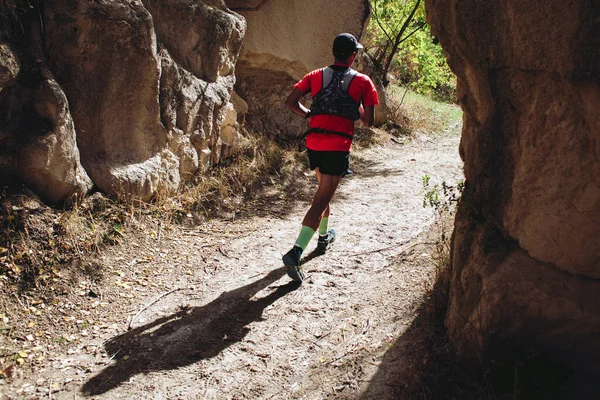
319	207
326	235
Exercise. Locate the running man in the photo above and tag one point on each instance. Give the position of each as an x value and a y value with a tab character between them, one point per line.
340	96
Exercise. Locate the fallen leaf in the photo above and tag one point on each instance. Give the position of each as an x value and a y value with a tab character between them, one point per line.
8	371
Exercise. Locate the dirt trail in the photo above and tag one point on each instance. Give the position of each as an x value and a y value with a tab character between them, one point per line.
221	320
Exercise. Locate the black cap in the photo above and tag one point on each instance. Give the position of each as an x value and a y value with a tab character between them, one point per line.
344	45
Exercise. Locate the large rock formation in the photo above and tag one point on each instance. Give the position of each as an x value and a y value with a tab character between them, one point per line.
148	87
37	136
133	96
286	40
526	252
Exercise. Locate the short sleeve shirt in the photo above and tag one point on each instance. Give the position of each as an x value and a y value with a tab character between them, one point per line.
361	89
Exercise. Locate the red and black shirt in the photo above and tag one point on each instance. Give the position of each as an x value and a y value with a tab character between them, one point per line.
361	89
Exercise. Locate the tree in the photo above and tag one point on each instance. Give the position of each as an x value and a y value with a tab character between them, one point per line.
397	20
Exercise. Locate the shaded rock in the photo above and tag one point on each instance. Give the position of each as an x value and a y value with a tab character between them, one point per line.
529	85
193	111
203	37
51	164
104	56
265	92
9	69
239	104
501	296
37	141
9	65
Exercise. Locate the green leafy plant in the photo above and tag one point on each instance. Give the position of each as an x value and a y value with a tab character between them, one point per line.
401	44
442	197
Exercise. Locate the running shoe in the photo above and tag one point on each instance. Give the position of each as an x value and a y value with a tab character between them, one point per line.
291	260
325	241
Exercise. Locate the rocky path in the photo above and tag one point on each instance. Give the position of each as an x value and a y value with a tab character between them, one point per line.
212	314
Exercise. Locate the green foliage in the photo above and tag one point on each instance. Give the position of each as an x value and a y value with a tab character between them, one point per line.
421	65
418	62
389	15
441	199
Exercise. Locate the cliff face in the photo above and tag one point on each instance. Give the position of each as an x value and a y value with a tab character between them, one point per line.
128	96
526	251
133	96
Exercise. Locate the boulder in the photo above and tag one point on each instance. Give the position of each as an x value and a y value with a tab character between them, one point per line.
147	82
203	37
526	252
37	137
50	164
104	56
9	65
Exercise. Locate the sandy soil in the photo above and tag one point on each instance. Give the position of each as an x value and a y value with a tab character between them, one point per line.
208	312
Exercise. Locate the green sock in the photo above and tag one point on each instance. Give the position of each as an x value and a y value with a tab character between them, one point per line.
306	233
323	226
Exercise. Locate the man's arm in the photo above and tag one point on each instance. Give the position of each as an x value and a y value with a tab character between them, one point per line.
367	115
293	103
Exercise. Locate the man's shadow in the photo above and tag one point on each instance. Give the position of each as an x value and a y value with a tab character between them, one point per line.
187	336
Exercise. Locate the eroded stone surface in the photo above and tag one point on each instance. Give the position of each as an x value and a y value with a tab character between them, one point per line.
203	37
37	136
147	87
193	111
9	65
104	56
529	85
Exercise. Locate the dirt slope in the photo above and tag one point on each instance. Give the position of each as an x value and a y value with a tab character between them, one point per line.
220	319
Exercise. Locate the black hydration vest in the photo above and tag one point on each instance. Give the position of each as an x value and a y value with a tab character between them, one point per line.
333	98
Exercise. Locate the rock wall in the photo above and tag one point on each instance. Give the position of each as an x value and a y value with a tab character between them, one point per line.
286	40
131	94
37	134
134	96
526	250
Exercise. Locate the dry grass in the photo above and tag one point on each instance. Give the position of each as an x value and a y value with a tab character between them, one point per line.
224	189
38	242
367	137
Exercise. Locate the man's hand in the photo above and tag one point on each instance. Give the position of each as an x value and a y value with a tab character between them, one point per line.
367	115
293	103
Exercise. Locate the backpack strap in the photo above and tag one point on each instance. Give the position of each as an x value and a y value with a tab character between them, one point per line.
347	78
327	75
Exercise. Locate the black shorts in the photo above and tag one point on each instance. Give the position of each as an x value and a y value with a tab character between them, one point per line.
334	163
